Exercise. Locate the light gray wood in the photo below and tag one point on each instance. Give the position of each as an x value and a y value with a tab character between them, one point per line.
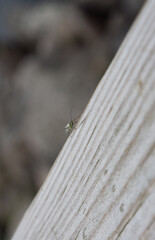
102	185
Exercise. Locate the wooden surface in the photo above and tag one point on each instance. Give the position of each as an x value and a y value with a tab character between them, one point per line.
102	185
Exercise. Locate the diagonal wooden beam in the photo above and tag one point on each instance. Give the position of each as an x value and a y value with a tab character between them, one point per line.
102	185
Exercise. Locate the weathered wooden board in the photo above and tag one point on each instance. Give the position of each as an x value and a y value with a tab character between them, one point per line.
102	185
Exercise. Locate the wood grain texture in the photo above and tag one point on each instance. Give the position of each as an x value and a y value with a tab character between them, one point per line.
102	185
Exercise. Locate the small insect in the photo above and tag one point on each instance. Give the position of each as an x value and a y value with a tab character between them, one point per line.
71	125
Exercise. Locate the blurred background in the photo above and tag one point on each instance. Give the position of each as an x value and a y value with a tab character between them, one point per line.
52	56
